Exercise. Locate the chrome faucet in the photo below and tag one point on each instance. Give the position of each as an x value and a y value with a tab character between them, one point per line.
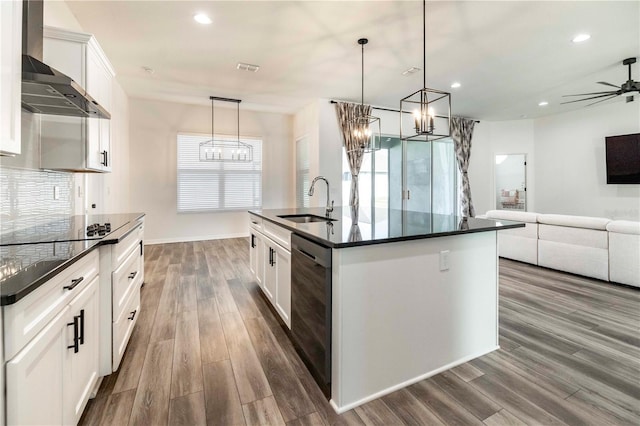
329	208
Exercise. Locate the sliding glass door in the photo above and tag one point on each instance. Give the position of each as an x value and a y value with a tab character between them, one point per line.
406	175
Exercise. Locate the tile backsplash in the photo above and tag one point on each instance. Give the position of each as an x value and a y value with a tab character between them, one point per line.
28	194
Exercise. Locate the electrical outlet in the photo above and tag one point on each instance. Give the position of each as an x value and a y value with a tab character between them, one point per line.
444	260
56	192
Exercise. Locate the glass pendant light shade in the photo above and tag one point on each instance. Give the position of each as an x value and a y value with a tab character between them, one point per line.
425	115
365	127
222	149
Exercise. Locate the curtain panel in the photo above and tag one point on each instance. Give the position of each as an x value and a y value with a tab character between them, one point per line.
462	132
347	112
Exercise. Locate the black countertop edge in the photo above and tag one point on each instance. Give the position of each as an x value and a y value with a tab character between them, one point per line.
346	244
13	297
113	238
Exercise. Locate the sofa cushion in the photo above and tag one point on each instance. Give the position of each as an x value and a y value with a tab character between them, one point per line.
574	221
530	230
574	236
624	252
513	215
624	227
582	260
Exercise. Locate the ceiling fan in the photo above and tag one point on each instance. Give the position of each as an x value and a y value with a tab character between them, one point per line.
629	86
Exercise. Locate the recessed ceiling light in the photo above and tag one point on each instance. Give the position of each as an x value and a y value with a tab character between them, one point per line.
543	103
201	18
455	85
580	38
410	71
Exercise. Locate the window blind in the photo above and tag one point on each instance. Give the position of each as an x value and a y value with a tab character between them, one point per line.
303	182
217	185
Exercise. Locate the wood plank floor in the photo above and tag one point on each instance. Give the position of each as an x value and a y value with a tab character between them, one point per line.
208	350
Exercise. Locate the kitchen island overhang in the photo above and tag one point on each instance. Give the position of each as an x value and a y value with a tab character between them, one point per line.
413	295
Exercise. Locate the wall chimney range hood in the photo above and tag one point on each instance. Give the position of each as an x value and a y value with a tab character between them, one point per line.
46	90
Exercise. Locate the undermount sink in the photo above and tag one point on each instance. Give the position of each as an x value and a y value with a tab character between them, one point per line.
305	218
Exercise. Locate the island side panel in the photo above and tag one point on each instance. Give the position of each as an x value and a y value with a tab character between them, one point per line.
398	319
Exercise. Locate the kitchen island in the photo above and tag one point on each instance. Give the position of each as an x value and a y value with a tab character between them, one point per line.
411	294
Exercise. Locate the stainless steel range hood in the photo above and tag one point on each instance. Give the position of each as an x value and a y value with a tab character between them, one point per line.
46	90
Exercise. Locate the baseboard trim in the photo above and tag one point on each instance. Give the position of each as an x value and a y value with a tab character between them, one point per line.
399	386
190	239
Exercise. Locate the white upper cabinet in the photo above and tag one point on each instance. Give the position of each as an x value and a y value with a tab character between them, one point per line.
72	143
10	76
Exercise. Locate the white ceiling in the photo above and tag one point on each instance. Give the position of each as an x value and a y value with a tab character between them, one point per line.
508	55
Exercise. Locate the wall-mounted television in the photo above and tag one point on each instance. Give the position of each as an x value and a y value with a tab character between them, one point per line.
623	158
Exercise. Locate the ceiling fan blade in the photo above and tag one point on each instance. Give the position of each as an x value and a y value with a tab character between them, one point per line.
594	93
601	100
587	99
608	84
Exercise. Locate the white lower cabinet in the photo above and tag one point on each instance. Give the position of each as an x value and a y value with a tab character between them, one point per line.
50	380
81	361
283	287
35	377
256	256
270	264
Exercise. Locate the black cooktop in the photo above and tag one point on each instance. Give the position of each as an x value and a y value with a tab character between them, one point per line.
50	229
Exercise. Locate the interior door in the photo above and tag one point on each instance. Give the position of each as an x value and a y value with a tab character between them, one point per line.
417	176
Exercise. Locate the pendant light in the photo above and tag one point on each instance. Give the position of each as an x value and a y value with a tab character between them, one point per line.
365	128
222	149
429	109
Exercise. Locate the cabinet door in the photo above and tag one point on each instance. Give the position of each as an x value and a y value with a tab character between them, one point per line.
35	377
283	284
10	76
253	254
269	278
256	256
81	367
98	130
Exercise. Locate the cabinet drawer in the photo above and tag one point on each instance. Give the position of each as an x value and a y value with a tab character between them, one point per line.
25	318
123	248
125	279
123	327
255	222
278	234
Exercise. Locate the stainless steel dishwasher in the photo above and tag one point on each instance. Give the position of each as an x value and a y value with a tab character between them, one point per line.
311	307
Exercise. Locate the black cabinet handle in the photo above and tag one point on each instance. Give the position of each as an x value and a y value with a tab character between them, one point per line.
74	284
105	158
133	275
133	315
253	241
270	256
81	336
141	246
76	338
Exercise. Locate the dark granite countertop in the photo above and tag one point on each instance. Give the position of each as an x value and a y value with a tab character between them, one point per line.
379	226
31	256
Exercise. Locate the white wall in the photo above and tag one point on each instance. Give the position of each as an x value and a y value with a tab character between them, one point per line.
499	137
154	126
570	154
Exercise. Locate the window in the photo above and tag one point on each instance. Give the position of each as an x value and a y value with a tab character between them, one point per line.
217	185
302	172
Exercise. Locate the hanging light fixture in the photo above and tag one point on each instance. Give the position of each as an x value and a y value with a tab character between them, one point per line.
365	128
429	109
225	149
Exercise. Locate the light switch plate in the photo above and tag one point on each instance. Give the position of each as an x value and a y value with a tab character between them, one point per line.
56	192
444	260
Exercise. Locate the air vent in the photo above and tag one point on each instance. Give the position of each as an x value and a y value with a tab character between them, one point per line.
411	70
247	67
